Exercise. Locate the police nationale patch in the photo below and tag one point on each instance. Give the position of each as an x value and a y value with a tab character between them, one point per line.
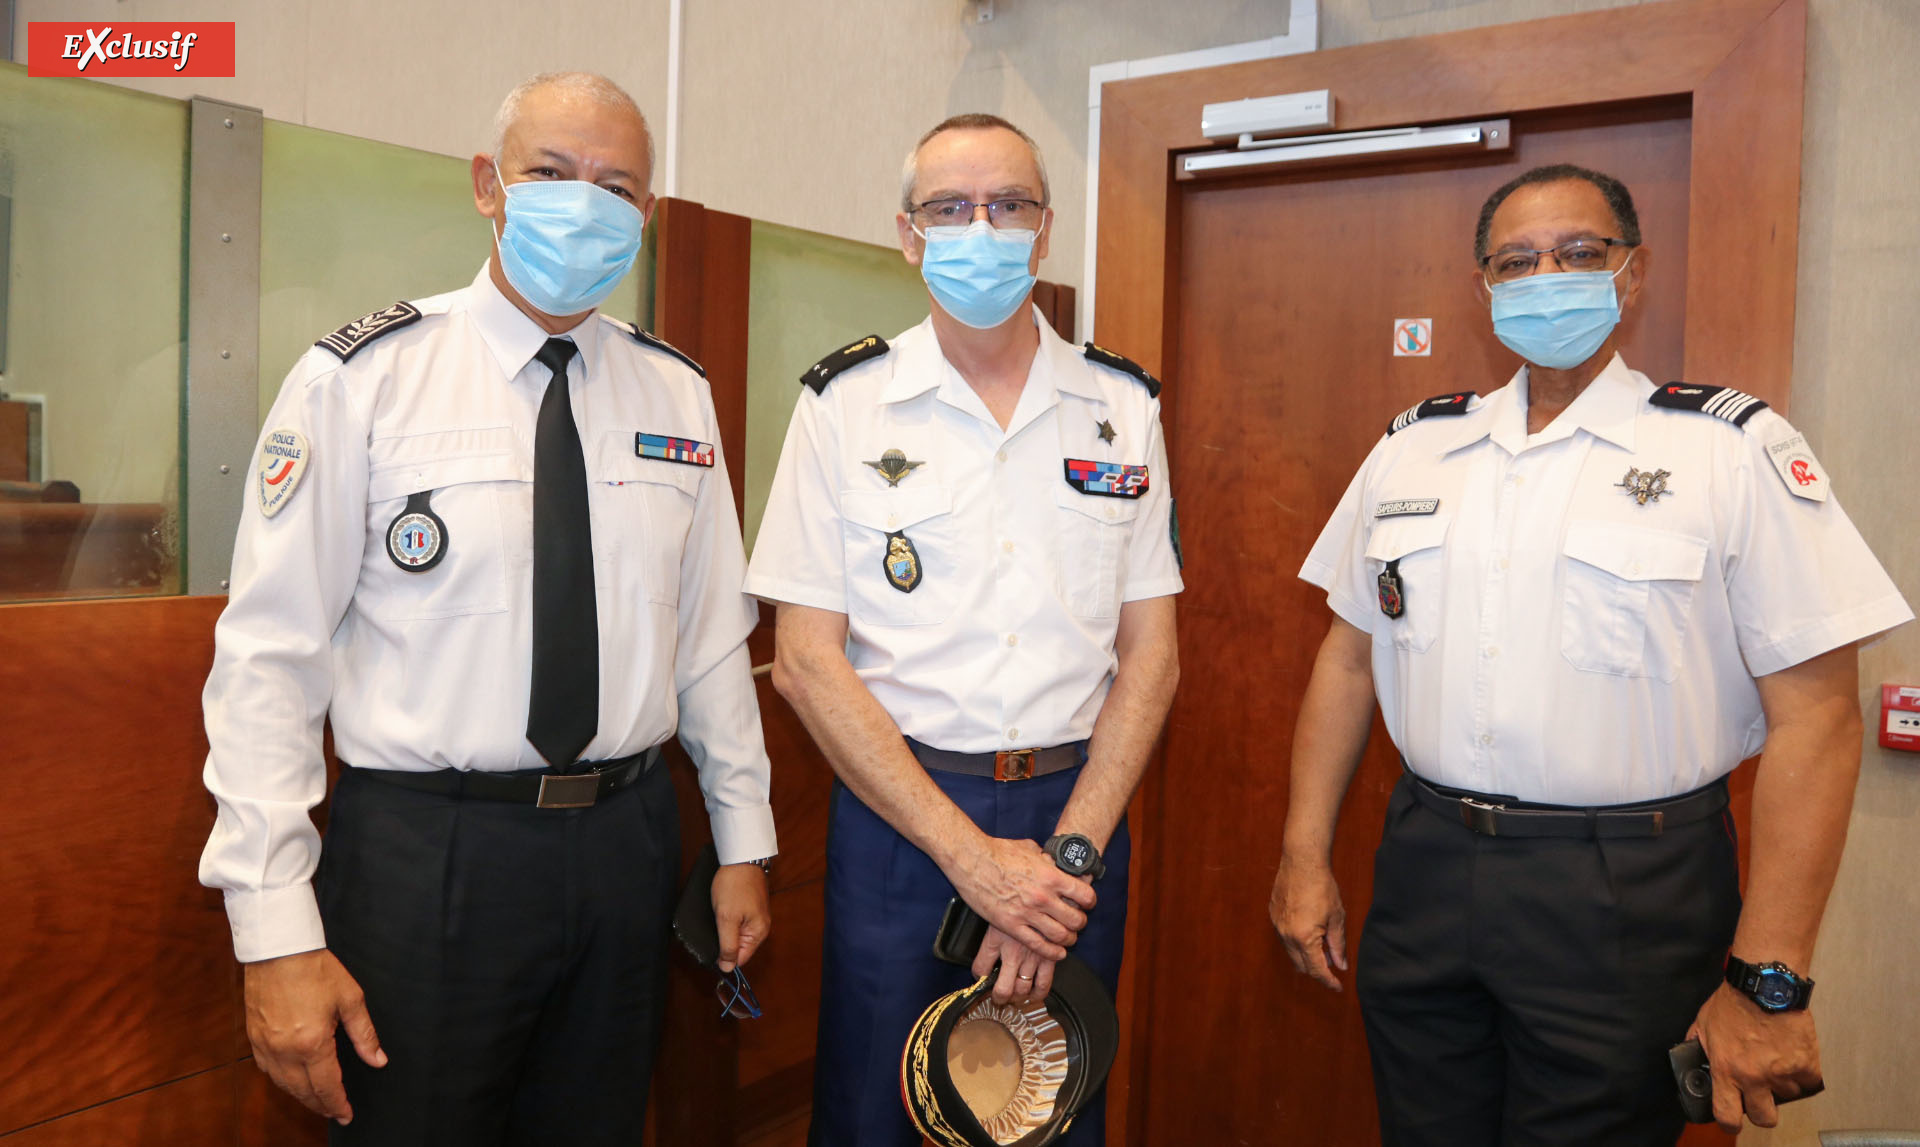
1798	468
1107	479
669	449
1398	506
417	538
283	460
347	341
902	563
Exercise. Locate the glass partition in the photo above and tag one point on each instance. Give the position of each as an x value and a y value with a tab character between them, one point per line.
808	295
349	225
92	272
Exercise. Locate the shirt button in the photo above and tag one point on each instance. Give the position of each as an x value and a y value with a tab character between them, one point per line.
1519	479
1493	651
1013	734
1503	563
1112	513
893	519
1007	546
1013	639
1486	738
1000	457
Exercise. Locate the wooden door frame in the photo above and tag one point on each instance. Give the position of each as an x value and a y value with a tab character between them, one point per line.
1741	62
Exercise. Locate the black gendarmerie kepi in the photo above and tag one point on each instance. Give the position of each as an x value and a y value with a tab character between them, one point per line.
979	1074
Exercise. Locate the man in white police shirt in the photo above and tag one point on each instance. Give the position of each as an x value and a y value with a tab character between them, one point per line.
492	539
969	538
1581	601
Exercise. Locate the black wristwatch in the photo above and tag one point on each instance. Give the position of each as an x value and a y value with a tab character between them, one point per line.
1772	987
1075	855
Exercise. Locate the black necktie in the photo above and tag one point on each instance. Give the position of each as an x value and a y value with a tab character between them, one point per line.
564	709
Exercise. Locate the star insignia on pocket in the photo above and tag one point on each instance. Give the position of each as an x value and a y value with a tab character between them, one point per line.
1645	486
893	466
1106	432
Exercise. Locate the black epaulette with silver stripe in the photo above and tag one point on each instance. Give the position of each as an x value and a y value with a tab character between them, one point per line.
1439	404
648	338
347	341
1124	365
1735	406
853	354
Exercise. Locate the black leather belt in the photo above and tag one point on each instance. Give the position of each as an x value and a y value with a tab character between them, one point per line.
1491	815
1013	765
541	789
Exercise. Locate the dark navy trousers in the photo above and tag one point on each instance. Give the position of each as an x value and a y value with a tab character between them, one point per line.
885	900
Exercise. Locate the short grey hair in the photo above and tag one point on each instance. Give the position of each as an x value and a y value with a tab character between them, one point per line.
1619	201
971	121
587	85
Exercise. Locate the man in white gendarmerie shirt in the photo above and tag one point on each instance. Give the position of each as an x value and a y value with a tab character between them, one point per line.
970	540
491	539
1581	602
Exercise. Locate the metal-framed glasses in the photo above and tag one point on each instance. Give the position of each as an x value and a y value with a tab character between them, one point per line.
736	996
1004	214
1574	255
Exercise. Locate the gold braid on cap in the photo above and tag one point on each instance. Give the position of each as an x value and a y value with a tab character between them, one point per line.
914	1077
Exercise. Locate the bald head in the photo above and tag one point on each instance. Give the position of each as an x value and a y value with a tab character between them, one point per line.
562	92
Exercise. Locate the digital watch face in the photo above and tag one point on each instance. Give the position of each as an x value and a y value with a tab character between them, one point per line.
1076	853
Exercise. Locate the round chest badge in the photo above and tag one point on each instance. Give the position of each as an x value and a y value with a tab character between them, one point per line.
417	538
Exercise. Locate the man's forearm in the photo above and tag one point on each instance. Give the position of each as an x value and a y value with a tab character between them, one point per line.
1335	716
1802	798
860	740
1129	723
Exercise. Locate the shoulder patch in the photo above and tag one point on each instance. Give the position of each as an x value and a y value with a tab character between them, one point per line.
853	354
1735	406
1439	404
1124	365
648	338
347	341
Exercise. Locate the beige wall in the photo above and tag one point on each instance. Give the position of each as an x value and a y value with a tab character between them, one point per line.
799	114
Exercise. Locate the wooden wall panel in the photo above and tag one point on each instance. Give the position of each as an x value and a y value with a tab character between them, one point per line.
118	969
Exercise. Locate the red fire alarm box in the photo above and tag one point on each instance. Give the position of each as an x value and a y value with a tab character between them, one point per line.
1900	717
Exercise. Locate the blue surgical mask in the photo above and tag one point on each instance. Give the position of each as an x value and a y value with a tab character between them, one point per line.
977	274
567	243
1558	319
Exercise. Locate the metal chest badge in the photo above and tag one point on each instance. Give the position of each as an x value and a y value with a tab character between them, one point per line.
893	466
1393	592
1645	486
902	563
417	538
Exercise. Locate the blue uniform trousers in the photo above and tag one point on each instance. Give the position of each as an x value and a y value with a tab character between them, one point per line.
885	900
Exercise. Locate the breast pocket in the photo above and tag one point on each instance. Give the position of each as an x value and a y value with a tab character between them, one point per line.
1415	550
1094	533
1627	598
646	507
875	570
469	576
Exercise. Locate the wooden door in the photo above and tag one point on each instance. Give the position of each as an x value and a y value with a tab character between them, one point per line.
1268	303
1289	290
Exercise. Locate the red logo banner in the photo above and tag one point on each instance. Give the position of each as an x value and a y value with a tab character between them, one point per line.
113	50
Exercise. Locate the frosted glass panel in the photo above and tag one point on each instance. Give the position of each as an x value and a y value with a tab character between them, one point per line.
349	225
808	295
92	210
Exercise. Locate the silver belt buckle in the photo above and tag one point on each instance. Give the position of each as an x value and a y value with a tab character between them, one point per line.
576	790
1479	816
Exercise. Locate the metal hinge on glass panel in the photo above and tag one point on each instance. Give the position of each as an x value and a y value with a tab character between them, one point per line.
1265	133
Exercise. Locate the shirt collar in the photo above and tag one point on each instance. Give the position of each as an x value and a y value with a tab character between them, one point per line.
919	366
1606	409
514	338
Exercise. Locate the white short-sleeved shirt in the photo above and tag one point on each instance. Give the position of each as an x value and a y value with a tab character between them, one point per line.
430	669
1562	641
1008	639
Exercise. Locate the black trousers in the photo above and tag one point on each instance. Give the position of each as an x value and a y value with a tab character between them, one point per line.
1521	992
513	959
